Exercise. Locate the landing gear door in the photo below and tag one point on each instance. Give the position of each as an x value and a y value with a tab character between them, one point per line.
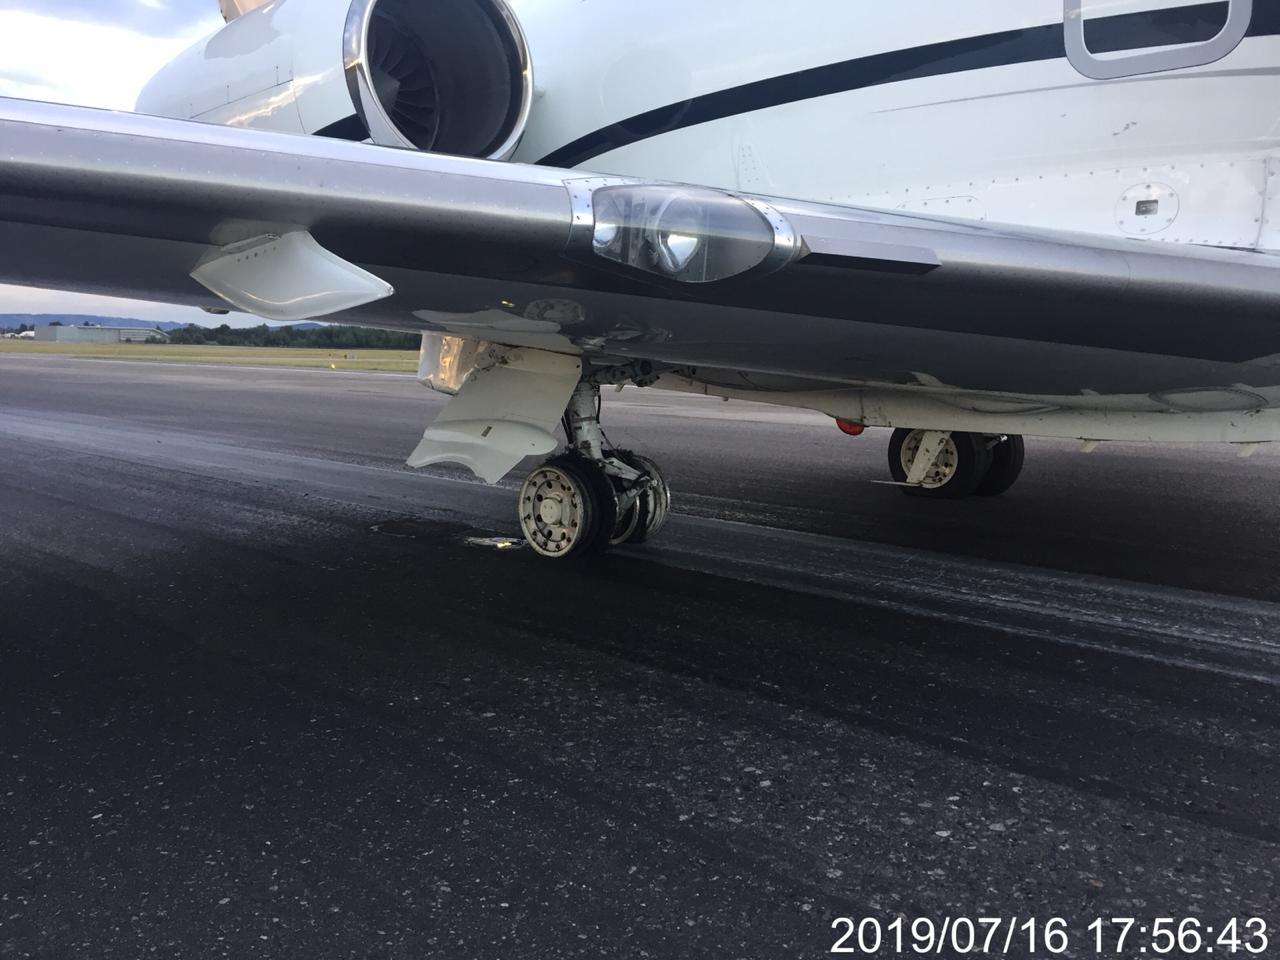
1178	32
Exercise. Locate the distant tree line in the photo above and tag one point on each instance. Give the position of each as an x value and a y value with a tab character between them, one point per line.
328	338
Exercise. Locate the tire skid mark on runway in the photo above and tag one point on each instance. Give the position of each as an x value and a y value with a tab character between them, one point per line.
605	798
307	679
923	729
920	729
1199	631
508	621
484	618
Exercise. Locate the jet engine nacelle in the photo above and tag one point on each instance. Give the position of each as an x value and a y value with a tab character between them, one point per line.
449	76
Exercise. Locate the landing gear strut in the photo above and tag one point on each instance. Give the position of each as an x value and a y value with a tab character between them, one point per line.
949	465
590	497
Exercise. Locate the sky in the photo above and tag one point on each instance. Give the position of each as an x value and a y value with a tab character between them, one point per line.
96	53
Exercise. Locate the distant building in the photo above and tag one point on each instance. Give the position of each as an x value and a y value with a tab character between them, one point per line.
91	333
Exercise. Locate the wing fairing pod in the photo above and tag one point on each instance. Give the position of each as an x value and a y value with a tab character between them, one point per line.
686	234
288	278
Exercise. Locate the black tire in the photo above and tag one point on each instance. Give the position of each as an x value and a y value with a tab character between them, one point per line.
603	500
1007	457
594	491
973	459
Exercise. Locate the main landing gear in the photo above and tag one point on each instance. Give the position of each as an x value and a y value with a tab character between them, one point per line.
590	497
949	464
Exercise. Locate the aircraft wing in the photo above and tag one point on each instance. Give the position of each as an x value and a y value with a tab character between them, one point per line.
292	227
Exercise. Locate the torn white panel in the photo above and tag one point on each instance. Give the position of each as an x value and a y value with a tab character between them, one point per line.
288	278
233	9
503	412
444	362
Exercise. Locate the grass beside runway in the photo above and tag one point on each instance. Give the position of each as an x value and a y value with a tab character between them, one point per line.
397	361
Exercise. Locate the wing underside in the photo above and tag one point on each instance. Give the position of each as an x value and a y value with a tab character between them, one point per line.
131	206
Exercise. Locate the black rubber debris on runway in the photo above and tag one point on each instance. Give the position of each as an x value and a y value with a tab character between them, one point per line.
260	696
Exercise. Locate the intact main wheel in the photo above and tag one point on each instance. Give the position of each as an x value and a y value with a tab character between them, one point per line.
567	507
1007	457
956	471
648	512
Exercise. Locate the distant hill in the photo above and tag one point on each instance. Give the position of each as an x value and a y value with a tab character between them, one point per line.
14	320
323	336
78	319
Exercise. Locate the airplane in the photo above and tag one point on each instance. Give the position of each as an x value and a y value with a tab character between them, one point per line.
967	222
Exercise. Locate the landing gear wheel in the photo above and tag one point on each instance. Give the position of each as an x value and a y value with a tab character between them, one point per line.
629	522
955	473
1007	457
648	512
567	507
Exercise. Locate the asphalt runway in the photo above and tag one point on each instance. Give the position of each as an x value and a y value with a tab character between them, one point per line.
266	692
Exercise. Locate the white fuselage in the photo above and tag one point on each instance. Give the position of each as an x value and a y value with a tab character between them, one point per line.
1034	143
969	110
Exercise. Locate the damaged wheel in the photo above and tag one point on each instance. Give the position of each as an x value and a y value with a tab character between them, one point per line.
567	507
648	510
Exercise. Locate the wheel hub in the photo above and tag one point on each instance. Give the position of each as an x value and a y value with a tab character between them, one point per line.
944	465
551	511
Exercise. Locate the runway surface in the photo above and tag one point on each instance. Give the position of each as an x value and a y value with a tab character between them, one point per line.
261	693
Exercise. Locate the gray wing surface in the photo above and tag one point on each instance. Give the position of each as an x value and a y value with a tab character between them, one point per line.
130	206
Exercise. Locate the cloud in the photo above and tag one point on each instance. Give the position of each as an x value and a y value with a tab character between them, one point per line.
74	61
161	18
66	53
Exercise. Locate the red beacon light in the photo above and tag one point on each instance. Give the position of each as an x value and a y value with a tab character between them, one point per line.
849	428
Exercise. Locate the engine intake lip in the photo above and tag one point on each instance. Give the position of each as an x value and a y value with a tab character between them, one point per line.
375	117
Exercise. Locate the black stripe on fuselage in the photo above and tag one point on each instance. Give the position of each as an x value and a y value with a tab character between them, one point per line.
1191	24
